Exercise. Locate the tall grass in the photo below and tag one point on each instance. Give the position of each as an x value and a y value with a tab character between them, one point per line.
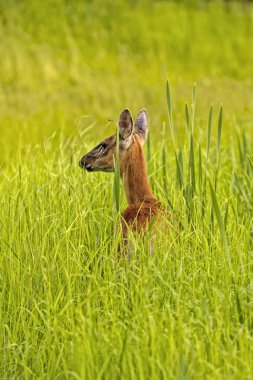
70	309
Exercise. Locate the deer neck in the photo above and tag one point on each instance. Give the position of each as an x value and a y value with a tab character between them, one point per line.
135	179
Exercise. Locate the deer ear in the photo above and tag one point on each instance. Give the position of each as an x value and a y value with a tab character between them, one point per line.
125	125
141	124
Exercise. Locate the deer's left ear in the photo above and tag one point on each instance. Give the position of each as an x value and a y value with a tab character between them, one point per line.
125	125
141	124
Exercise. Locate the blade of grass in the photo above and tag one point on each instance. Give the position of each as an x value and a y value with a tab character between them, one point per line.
148	149
187	119
116	182
179	169
218	149
219	135
191	165
200	168
220	223
193	107
209	133
164	171
168	97
226	214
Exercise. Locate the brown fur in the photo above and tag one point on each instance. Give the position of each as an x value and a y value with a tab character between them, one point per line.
138	215
143	207
134	173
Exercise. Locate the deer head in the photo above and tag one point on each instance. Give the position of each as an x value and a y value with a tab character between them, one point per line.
102	157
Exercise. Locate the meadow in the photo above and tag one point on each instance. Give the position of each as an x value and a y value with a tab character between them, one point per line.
69	308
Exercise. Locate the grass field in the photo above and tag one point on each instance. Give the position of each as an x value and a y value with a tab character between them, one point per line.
69	309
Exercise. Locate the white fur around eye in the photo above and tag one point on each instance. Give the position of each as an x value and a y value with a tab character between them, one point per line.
99	151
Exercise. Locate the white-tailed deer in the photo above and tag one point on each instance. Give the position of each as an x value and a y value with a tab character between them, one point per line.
142	205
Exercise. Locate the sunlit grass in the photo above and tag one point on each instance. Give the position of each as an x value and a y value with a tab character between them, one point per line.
70	308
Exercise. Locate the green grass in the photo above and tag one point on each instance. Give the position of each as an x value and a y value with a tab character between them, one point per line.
69	309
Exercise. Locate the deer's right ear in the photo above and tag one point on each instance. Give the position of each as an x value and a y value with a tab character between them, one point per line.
141	124
125	125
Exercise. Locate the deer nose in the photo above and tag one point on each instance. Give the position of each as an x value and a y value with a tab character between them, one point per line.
85	164
82	163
